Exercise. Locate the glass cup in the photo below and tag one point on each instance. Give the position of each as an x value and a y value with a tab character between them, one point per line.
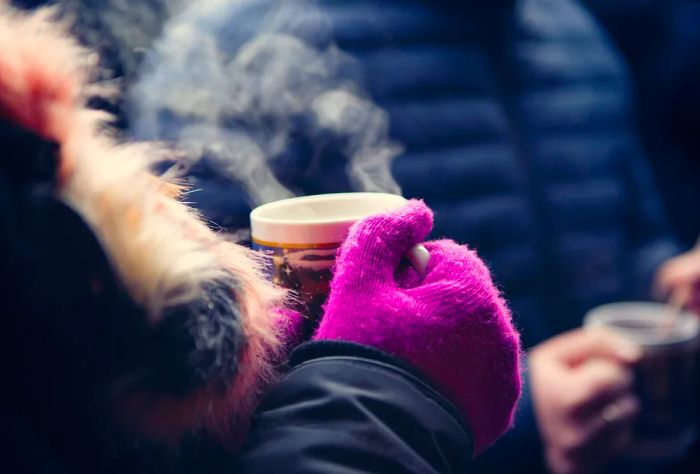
302	235
665	377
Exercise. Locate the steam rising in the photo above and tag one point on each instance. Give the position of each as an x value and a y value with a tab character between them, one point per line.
365	128
234	92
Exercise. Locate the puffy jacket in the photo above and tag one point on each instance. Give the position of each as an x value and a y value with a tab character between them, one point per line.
517	130
349	408
341	408
661	41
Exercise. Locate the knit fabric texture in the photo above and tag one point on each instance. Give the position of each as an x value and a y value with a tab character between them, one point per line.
450	323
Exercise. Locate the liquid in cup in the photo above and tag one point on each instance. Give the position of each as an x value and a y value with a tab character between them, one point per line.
302	235
665	377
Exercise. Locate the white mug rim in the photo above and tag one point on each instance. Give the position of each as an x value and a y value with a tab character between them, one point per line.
645	311
270	230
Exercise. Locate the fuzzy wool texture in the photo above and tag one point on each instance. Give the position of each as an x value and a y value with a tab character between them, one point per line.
163	252
450	323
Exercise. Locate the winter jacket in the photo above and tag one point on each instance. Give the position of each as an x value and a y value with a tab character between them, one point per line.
341	408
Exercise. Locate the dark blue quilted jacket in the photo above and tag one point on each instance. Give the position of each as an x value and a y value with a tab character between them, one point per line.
661	41
515	118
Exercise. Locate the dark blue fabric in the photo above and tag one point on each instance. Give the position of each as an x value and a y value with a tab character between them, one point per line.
518	132
520	449
661	41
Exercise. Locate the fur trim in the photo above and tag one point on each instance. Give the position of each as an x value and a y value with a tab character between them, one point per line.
162	251
41	71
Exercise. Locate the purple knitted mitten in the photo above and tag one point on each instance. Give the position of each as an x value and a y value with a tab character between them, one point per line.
450	323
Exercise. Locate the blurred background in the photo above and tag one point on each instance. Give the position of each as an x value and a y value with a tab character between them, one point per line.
560	138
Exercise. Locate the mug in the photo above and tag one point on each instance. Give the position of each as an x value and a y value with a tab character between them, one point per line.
665	377
302	235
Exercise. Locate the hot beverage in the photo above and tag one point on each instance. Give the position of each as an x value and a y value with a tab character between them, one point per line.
302	236
665	377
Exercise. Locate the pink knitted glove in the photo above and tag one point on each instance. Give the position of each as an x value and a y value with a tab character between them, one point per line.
451	323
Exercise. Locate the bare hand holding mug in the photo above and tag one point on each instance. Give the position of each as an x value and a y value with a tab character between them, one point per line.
581	383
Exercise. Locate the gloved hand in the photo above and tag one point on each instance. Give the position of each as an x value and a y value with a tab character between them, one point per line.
450	323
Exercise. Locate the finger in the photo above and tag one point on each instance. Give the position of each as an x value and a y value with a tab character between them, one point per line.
681	297
681	271
375	245
440	254
675	292
407	276
596	384
457	277
453	262
577	346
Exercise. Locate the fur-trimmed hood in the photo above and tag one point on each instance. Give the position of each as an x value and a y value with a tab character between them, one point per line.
165	256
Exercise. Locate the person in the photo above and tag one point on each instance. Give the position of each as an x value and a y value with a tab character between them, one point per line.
135	339
370	396
517	128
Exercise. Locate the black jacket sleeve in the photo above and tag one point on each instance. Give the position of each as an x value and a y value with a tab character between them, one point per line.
345	408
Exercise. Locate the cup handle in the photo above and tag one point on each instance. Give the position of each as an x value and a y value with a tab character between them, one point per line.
419	258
